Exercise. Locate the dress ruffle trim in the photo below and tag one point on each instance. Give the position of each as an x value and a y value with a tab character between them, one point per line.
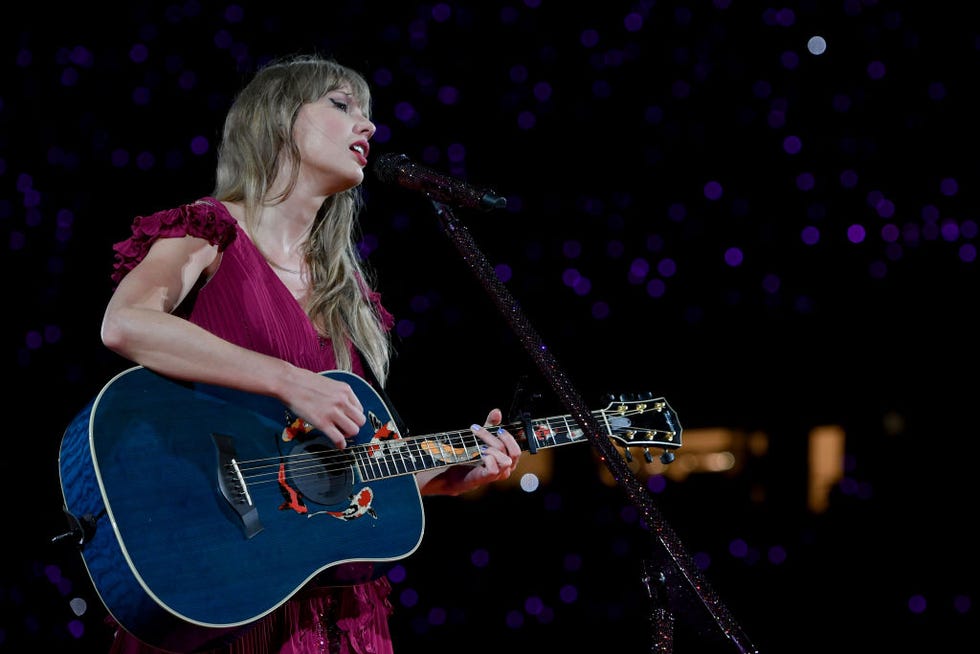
201	219
361	621
387	320
359	612
304	624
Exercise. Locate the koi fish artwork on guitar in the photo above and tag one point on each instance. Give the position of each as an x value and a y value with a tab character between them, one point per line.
361	502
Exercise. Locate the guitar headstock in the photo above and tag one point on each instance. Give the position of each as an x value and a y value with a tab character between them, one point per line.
642	421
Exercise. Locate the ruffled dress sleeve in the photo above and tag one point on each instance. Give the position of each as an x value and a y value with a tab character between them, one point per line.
206	218
387	320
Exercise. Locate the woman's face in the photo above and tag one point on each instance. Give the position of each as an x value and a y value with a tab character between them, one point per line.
332	135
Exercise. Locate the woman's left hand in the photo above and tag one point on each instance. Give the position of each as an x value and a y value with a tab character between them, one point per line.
500	455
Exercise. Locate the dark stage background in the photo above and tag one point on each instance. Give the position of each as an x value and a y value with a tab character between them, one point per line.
705	202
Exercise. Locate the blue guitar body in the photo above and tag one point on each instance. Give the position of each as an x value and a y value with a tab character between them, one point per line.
177	557
202	509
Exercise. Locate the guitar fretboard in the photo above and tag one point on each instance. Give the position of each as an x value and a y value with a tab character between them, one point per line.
400	456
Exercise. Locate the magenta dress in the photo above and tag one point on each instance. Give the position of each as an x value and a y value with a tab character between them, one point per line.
246	303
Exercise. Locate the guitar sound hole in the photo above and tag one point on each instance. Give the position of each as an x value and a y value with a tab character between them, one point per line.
321	472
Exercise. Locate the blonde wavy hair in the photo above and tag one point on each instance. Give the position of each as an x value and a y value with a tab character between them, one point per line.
257	133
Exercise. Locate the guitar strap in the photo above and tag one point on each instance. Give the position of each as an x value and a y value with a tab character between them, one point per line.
369	375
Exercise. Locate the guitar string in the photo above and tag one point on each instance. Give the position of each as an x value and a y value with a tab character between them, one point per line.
401	443
347	453
306	464
337	460
317	463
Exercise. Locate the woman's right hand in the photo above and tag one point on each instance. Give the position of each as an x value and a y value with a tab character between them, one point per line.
327	404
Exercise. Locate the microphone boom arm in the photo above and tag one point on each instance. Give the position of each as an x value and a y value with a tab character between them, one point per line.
679	573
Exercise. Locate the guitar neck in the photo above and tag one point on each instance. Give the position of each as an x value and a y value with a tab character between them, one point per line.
390	457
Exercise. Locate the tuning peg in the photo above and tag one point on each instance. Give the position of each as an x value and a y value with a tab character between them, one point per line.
628	454
667	457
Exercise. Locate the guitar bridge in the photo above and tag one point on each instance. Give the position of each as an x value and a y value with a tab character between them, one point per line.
233	488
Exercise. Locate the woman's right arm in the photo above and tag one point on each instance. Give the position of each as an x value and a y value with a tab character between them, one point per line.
139	325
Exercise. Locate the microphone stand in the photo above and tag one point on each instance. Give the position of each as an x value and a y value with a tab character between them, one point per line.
670	576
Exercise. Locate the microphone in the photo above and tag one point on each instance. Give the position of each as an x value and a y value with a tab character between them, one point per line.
399	169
